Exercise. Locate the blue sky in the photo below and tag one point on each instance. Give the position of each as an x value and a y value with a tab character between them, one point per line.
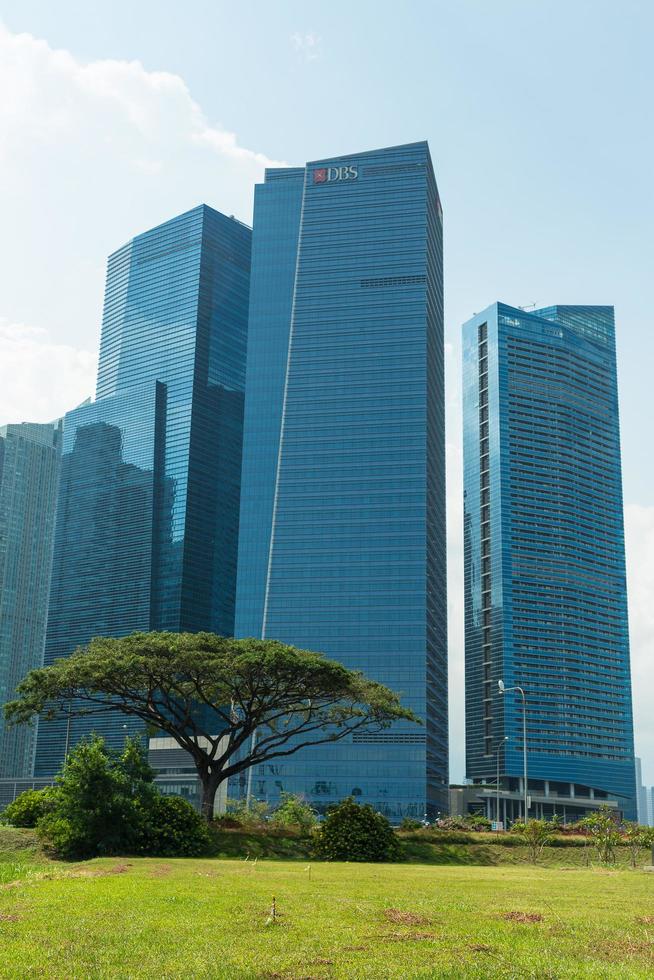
116	116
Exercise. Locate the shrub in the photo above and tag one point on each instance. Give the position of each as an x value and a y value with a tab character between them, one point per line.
410	823
604	831
477	821
226	821
470	821
59	835
637	838
106	803
249	815
171	827
355	832
98	802
293	811
536	834
29	807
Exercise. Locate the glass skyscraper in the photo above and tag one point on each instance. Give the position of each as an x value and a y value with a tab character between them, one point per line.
342	540
147	527
29	476
545	587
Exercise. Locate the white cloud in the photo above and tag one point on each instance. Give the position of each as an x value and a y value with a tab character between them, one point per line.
639	531
40	380
306	44
50	95
92	153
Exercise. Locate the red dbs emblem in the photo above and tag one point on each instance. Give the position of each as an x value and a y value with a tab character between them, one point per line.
320	175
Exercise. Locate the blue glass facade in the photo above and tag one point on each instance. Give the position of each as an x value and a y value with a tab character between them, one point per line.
147	525
29	477
342	542
545	586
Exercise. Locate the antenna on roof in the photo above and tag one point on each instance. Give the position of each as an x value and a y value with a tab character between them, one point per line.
529	306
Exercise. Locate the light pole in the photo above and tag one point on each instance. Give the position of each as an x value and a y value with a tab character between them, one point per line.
497	777
67	749
508	690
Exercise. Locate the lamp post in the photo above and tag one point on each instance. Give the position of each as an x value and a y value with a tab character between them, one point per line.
497	778
68	721
508	690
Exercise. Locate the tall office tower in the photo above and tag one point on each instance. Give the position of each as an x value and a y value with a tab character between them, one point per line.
545	589
342	539
642	802
147	526
29	475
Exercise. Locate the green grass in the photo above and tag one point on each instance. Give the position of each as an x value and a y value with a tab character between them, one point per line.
20	855
207	918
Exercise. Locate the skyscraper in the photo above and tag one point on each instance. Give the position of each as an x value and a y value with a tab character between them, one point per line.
342	538
642	801
29	476
545	588
147	526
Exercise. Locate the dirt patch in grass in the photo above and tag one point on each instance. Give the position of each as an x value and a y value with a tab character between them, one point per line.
524	917
405	918
645	920
118	869
352	949
481	948
9	917
403	937
161	871
289	976
619	948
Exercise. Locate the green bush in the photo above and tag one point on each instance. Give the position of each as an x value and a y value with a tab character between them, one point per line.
29	807
355	832
99	802
172	827
536	834
477	821
469	821
293	811
252	814
226	821
61	837
410	823
106	803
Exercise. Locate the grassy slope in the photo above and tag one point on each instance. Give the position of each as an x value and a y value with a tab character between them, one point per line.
207	918
20	848
420	848
20	855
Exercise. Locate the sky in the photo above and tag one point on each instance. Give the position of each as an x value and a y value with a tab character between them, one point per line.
117	115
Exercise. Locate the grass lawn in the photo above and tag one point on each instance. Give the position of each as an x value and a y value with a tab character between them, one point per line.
208	918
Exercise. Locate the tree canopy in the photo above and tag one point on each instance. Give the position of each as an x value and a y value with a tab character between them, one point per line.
211	694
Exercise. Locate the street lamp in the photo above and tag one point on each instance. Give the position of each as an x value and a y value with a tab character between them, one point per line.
497	777
508	690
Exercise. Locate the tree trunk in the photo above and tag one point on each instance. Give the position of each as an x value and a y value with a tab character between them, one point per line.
210	783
